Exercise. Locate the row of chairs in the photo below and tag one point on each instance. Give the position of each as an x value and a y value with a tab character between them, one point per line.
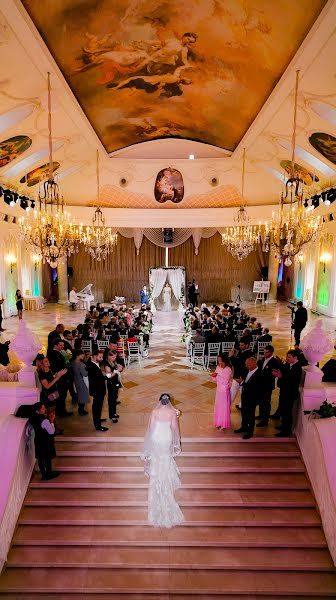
135	350
196	352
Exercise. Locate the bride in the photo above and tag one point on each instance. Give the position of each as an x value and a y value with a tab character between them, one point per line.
162	443
167	298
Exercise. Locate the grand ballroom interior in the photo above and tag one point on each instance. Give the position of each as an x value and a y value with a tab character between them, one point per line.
172	166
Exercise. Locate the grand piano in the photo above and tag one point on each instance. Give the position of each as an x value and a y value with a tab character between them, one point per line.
85	297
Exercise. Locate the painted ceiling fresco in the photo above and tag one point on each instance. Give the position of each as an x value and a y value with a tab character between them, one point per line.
12	148
148	69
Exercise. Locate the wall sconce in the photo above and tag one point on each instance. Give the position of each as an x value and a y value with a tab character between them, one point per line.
11	260
36	261
324	259
300	260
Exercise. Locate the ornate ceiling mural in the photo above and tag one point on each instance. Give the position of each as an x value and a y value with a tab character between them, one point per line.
307	177
10	149
38	174
149	69
325	144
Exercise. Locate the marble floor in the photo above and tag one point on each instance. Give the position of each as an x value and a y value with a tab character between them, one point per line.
165	370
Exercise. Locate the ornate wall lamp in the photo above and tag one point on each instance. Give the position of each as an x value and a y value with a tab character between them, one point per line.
11	261
36	261
325	258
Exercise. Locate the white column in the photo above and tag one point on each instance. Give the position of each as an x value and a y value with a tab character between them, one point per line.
62	276
316	272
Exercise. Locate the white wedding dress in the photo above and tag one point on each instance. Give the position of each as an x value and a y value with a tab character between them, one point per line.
162	443
167	299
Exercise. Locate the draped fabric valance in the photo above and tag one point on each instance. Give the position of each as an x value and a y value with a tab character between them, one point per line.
155	235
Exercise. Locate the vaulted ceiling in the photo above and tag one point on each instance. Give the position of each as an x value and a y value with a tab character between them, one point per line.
127	81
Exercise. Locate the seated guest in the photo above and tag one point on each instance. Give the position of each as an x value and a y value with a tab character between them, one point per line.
240	325
258	329
213	337
44	440
73	298
265	337
247	336
4	358
252	323
205	310
198	338
329	370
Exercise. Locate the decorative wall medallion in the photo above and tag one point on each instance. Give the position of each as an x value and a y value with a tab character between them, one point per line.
38	174
169	186
11	148
325	144
303	173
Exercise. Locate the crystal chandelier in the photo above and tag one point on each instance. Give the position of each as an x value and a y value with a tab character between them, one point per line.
98	239
241	238
48	230
291	229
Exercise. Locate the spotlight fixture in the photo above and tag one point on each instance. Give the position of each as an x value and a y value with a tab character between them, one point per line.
305	204
8	198
32	204
23	202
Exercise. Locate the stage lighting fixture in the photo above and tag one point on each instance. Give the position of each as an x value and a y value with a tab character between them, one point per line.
32	204
23	202
305	204
8	198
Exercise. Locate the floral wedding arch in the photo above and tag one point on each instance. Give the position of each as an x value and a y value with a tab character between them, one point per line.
159	276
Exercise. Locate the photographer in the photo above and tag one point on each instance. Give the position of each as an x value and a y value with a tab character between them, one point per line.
299	321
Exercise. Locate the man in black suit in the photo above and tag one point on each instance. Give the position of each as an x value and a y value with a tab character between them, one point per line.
238	358
266	366
250	395
289	378
97	388
57	363
265	336
300	321
55	333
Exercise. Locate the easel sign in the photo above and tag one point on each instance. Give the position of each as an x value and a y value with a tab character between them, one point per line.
260	288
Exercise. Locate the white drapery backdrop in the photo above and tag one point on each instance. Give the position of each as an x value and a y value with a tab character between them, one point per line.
157	279
176	278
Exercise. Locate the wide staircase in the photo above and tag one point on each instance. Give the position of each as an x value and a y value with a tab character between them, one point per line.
252	529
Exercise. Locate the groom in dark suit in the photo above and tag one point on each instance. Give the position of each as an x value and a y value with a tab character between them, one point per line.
249	398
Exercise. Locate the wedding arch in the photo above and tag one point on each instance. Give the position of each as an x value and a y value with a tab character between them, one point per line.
158	277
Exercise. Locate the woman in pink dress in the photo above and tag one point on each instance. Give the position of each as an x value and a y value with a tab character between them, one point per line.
223	398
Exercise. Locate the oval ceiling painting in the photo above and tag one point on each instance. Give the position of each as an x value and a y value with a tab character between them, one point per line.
38	174
325	144
169	186
10	149
307	177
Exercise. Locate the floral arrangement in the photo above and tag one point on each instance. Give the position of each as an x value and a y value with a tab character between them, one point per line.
326	410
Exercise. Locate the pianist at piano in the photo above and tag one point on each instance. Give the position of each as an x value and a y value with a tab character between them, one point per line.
85	297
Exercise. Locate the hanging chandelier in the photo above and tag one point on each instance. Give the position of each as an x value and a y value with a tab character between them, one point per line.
48	230
242	238
292	228
98	239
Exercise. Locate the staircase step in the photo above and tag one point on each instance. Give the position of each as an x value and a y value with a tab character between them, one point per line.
225	480
237	536
197	449
135	557
205	497
219	437
196	516
113	581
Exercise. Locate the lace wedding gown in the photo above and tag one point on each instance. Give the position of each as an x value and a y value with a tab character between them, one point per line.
160	448
167	299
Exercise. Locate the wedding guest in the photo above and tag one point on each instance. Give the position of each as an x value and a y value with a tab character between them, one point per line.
44	429
56	333
97	388
238	358
19	303
58	363
300	321
251	385
289	379
198	338
112	371
329	369
266	366
265	336
81	380
222	375
302	359
49	387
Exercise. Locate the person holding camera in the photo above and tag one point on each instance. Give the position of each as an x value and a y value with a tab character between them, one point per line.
299	321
